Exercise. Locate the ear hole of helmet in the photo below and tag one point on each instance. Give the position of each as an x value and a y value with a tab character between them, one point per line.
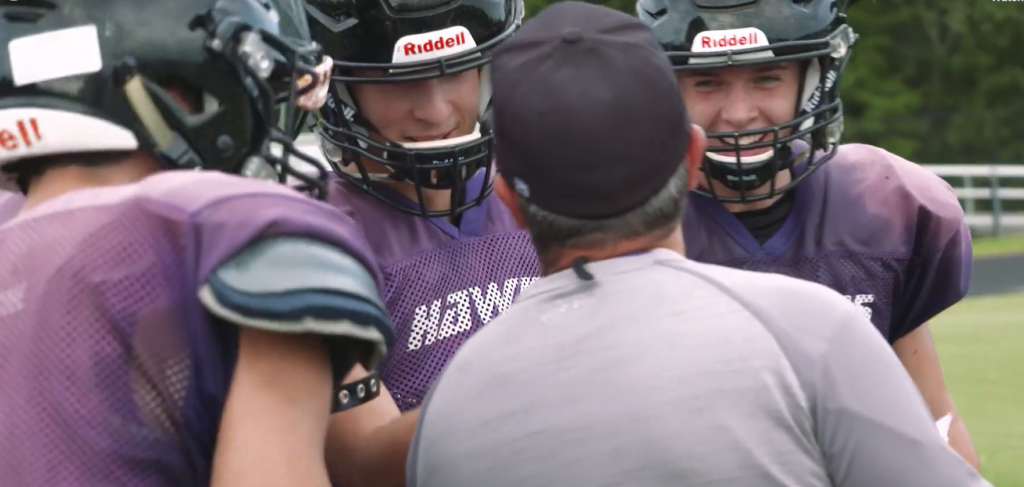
192	97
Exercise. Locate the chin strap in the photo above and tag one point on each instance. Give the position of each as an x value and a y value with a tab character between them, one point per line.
356	393
581	272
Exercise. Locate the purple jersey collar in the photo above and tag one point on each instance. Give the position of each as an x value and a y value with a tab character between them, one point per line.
783	239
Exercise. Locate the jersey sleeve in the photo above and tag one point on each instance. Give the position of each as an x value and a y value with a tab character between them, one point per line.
299	285
872	424
935	280
938	274
267	257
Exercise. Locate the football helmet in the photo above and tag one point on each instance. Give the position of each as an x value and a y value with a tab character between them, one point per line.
396	41
87	76
709	34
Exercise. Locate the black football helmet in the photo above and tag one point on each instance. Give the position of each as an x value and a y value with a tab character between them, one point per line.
398	41
709	34
87	76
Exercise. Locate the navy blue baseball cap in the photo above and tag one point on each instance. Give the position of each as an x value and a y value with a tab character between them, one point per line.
588	119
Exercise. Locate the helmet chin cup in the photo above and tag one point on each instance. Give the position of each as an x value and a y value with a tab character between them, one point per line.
741	160
441	143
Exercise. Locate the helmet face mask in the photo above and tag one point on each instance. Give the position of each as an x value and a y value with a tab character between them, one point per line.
406	41
698	36
234	56
271	66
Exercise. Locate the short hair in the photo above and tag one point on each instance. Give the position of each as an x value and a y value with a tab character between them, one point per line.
657	218
27	170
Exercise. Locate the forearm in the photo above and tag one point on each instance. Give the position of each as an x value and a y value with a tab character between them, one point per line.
382	463
921	360
375	458
367	445
280	389
960	441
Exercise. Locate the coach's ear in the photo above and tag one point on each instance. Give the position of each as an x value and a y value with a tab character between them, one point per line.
510	199
695	154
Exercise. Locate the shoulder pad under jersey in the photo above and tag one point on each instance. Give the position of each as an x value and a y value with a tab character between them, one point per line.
299	285
918	202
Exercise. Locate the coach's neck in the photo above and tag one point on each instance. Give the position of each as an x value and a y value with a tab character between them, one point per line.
556	260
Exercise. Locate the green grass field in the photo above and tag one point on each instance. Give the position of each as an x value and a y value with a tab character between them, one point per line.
1012	244
981	345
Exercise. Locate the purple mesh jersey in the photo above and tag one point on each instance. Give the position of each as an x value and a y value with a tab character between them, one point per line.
882	231
111	371
10	204
441	282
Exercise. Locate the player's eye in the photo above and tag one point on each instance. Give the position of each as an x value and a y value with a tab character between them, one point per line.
767	80
706	83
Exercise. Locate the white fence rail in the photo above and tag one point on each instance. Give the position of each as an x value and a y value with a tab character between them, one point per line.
965	179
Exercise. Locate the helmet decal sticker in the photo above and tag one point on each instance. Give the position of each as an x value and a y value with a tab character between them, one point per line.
37	132
433	45
55	54
730	40
724	40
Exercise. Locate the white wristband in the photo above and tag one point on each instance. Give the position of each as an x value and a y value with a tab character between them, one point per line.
943	425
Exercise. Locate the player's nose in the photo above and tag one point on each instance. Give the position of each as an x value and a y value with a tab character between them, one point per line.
739	112
432	105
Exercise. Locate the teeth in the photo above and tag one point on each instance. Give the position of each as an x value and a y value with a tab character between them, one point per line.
750	139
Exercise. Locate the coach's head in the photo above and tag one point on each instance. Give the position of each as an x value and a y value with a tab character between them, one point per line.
593	145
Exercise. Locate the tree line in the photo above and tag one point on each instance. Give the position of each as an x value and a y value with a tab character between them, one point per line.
935	81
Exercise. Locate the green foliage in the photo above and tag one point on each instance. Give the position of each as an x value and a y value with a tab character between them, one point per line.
935	81
938	80
628	6
989	246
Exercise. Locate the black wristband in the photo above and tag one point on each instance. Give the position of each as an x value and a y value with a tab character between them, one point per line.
356	393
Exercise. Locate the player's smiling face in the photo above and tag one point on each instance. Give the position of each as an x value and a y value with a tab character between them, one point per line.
742	98
421	111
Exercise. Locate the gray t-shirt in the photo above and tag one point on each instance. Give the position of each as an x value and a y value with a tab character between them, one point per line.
664	372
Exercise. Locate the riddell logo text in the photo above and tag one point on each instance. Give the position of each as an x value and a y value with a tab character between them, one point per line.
442	42
709	43
730	40
24	134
